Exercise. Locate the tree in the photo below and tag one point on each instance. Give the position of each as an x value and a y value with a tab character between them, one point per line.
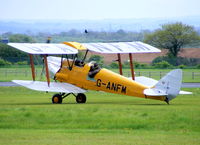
11	54
173	37
97	58
21	38
4	62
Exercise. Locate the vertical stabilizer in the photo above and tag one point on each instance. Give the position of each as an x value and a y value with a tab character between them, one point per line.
171	84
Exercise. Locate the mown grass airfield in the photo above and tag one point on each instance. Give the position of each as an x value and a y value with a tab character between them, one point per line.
28	117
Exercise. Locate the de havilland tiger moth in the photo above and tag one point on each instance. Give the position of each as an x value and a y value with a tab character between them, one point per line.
75	76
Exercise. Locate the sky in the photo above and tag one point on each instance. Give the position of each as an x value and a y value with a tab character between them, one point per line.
96	9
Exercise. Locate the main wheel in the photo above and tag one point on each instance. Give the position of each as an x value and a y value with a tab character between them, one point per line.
57	99
81	98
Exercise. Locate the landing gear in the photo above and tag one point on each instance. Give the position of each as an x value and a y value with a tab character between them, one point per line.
57	98
167	100
81	98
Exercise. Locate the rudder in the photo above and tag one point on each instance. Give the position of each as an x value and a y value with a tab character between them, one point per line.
171	84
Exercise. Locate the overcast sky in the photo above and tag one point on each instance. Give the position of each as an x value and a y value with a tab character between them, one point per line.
97	9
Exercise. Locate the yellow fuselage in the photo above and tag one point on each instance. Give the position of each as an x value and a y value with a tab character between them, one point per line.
105	80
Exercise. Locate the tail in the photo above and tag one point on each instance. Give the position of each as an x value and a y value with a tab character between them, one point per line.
169	86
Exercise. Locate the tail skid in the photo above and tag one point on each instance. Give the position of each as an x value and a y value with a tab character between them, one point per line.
169	86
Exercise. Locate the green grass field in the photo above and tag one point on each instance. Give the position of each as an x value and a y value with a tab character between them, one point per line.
24	73
28	118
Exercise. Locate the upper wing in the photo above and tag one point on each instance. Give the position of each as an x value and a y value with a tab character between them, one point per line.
44	48
121	47
54	87
68	47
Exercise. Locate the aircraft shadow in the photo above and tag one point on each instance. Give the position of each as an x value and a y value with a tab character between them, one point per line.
121	103
25	103
94	103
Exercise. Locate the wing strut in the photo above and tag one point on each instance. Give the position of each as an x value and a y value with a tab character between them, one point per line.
120	63
85	55
32	66
47	69
132	67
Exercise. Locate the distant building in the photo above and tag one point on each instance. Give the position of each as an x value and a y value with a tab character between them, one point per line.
149	57
5	40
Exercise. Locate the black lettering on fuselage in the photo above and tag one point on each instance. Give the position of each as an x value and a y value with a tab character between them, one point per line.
111	86
98	83
123	89
118	86
108	86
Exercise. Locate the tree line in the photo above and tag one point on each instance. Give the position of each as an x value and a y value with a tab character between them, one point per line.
173	37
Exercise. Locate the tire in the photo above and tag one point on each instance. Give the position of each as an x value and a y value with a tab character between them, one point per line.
81	98
57	99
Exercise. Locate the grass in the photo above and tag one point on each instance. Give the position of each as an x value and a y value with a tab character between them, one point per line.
20	73
24	73
28	117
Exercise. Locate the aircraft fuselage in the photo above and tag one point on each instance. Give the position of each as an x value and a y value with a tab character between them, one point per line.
104	80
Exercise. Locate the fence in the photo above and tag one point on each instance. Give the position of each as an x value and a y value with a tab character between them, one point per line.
7	74
11	74
160	74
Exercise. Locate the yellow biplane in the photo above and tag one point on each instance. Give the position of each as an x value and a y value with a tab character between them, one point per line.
74	76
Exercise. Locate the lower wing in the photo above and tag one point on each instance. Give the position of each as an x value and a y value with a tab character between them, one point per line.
54	87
